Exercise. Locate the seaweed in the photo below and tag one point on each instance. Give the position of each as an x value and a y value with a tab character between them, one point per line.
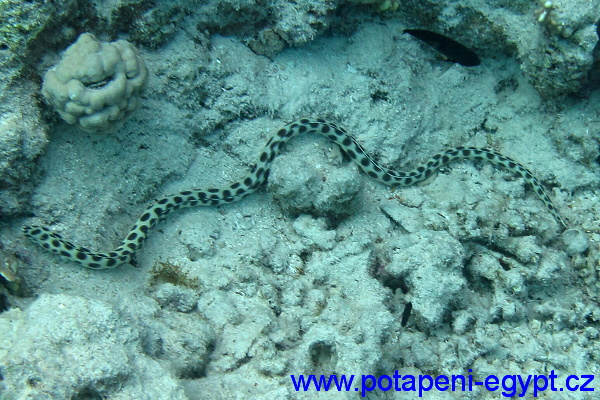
167	272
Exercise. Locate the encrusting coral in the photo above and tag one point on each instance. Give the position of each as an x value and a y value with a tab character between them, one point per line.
96	85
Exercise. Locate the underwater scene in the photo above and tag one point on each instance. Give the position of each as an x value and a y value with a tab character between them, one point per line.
274	199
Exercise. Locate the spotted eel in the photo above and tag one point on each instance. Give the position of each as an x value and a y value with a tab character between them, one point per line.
258	175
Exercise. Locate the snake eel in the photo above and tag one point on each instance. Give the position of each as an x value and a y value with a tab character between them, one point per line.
258	175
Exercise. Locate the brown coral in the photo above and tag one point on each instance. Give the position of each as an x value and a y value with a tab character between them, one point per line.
96	84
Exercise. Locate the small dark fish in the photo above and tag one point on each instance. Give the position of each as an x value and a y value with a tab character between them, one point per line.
406	313
453	50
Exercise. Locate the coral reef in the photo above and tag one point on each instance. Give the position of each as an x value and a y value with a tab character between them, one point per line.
320	189
22	139
430	263
22	25
560	61
21	22
149	24
22	133
70	347
381	5
553	41
96	85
